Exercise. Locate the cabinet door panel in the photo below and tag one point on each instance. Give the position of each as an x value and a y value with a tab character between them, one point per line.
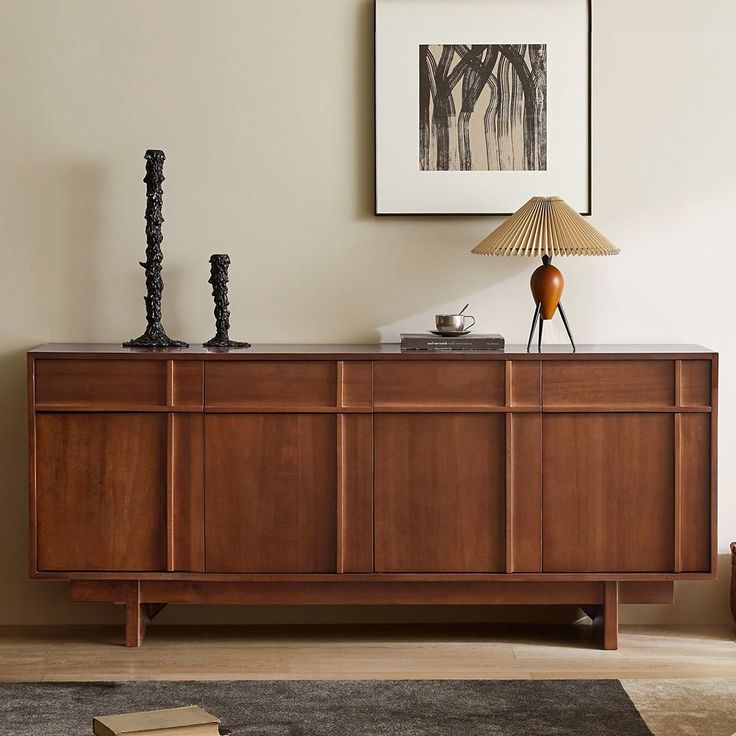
270	492
608	487
101	491
695	493
440	492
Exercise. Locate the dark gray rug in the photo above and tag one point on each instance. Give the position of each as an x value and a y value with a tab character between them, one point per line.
338	708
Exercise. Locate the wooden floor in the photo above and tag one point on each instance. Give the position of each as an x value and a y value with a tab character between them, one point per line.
365	652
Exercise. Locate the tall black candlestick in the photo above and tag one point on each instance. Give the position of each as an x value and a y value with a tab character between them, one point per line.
155	336
219	264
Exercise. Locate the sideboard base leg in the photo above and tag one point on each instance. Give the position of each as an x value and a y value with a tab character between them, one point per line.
137	616
610	616
121	592
605	616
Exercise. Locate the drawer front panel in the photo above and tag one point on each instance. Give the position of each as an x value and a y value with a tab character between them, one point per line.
418	384
109	382
271	384
625	383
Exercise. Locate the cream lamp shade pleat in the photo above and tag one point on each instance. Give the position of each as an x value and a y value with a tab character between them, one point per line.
546	226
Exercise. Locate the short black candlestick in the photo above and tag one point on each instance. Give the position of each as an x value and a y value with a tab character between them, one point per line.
219	265
155	336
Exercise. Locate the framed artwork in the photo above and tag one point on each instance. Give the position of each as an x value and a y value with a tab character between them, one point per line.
481	105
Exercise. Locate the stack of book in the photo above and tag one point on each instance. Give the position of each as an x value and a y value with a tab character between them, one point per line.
428	341
189	721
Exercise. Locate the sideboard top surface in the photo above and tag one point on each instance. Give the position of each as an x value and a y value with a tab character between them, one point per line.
383	351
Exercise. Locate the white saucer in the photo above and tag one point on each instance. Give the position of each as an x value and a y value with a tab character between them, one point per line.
459	333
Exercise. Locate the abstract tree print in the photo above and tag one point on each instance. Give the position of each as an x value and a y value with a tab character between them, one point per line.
483	107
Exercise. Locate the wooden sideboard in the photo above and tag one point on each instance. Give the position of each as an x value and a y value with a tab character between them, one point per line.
342	474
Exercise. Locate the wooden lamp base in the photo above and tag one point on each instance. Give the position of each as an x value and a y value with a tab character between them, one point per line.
547	284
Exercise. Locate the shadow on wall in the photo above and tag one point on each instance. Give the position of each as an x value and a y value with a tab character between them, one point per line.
364	90
423	261
695	602
56	229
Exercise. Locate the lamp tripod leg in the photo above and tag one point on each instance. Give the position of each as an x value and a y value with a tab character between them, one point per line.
567	326
541	327
534	325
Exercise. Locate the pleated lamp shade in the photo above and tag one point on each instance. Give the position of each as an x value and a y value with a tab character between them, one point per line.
546	226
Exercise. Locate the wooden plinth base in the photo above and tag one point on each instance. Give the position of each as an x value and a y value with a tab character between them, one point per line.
144	599
138	613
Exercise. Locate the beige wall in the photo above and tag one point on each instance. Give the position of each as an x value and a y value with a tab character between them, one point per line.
264	109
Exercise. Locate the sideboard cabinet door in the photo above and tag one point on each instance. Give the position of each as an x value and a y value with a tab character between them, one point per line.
271	493
440	492
609	490
101	491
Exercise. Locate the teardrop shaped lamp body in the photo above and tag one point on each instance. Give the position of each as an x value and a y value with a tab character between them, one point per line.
547	285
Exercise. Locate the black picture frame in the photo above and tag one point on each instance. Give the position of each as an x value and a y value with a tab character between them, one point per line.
589	210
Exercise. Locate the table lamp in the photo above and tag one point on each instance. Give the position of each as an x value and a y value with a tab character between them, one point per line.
546	226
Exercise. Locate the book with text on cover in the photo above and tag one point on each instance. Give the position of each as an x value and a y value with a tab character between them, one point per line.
189	721
428	341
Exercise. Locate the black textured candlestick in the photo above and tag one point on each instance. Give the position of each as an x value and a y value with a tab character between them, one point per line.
155	336
219	264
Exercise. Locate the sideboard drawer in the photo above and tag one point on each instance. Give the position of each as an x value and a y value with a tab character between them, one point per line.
439	384
616	383
264	385
127	383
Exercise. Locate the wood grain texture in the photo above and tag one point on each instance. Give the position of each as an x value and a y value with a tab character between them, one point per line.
652	592
355	494
376	592
624	383
460	650
609	482
271	493
439	493
440	577
188	384
374	351
32	482
356	389
714	465
101	493
695	389
138	615
695	481
525	492
122	382
135	619
525	383
547	285
608	492
187	469
605	616
292	385
431	383
610	615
